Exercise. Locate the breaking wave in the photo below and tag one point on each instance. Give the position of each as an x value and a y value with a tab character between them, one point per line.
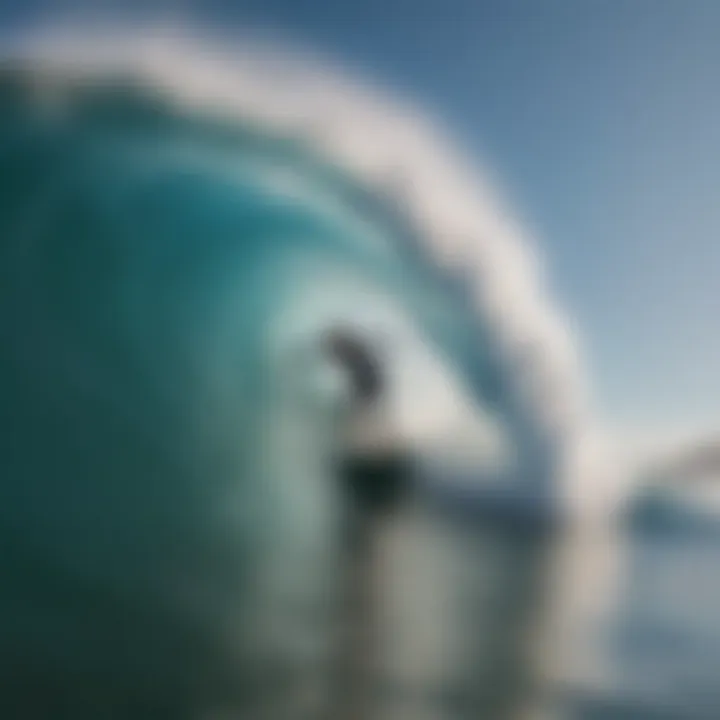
181	223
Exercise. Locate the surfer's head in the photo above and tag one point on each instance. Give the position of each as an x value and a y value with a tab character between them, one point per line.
359	362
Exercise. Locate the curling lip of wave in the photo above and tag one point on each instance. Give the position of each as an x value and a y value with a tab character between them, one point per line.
456	217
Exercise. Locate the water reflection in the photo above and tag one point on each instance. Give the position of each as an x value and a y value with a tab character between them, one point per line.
498	617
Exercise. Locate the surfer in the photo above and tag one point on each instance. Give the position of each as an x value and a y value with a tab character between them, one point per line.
373	463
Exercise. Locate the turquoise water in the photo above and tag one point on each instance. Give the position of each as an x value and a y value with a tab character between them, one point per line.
168	514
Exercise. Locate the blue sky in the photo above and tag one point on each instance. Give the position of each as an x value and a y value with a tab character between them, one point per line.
602	119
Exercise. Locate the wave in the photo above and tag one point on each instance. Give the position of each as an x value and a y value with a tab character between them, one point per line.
512	347
182	221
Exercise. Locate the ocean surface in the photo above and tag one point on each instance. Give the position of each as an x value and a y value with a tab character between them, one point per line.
493	615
